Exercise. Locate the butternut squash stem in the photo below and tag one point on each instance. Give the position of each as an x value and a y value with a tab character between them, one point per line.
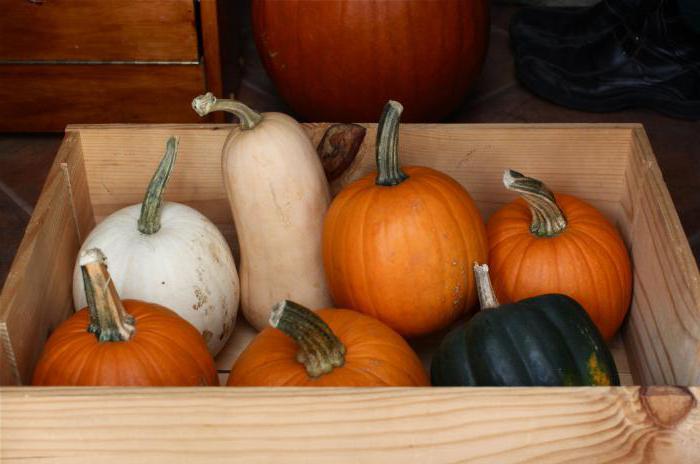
548	219
487	297
149	220
389	172
112	322
207	103
319	349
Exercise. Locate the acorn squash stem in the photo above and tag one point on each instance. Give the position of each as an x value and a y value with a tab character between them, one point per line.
548	219
109	321
149	220
389	172
487	297
319	349
207	103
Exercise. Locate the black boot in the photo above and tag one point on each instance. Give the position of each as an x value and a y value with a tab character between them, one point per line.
561	27
649	60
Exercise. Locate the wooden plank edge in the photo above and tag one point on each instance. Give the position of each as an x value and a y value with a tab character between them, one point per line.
461	126
621	424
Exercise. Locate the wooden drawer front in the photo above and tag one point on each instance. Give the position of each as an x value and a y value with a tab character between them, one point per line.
49	97
98	30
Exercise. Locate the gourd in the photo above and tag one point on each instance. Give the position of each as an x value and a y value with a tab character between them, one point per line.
122	343
546	340
398	244
547	243
170	254
342	60
278	195
327	348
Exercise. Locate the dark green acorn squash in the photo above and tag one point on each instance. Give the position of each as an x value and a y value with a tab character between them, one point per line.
547	340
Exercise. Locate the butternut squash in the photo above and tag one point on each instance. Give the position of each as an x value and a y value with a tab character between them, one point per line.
278	195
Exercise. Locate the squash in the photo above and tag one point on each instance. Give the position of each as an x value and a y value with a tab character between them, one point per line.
278	195
328	348
342	60
398	244
170	254
546	340
122	343
546	243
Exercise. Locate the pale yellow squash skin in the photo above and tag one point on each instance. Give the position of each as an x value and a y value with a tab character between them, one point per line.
278	195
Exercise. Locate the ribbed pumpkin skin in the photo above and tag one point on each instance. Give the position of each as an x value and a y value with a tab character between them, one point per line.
544	341
403	254
588	261
342	60
376	356
165	350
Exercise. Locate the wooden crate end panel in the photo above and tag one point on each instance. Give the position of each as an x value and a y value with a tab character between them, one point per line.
663	332
37	295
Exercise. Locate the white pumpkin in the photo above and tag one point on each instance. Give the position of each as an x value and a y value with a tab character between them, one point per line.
172	255
278	195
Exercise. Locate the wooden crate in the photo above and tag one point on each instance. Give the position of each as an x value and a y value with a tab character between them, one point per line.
100	169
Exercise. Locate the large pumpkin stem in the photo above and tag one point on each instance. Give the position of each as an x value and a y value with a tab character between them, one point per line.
487	297
388	170
109	321
548	219
207	103
319	349
149	221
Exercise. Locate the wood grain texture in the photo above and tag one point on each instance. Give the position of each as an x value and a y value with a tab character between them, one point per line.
48	97
419	425
115	30
663	330
37	294
208	10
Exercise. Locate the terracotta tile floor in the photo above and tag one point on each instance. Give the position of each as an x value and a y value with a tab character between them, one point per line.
497	97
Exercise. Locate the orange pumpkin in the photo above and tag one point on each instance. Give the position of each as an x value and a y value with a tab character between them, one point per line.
546	243
328	348
122	343
398	244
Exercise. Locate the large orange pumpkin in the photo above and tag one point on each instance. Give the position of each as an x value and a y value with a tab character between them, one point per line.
399	244
546	243
340	60
329	348
122	343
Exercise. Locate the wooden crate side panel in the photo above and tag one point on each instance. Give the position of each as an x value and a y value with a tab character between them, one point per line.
419	425
37	295
663	329
590	161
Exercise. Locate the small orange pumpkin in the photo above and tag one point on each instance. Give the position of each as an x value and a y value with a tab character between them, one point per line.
122	343
327	348
546	243
398	245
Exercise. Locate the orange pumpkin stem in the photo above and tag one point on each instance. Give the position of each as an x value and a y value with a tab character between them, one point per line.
487	297
109	321
208	103
319	349
389	172
149	220
548	219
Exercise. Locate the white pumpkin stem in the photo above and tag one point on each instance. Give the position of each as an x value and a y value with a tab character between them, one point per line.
548	219
149	220
109	321
487	297
319	349
208	103
389	172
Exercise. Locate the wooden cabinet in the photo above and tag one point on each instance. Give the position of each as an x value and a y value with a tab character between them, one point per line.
116	61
